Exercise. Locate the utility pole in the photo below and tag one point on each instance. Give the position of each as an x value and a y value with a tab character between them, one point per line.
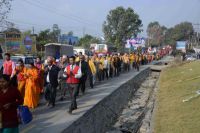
33	30
5	42
83	31
197	30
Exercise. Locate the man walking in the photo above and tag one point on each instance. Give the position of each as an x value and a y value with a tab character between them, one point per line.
51	81
105	68
9	69
62	79
73	73
85	72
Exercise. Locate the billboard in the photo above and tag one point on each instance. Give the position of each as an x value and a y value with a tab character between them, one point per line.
181	45
28	43
99	48
135	42
12	42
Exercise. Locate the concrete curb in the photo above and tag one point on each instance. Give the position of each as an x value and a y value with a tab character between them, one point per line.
104	114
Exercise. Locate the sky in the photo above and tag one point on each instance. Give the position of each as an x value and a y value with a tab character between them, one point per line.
87	16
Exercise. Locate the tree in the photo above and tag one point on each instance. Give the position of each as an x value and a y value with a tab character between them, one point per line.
121	24
156	34
44	37
48	36
180	32
70	33
5	6
55	33
87	40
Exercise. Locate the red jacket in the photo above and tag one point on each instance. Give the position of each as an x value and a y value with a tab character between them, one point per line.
8	67
71	78
9	116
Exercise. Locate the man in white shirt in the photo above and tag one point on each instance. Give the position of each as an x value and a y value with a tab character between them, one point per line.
73	74
51	81
105	68
9	68
62	80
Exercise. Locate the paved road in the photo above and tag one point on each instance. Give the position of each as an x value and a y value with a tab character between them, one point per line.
55	120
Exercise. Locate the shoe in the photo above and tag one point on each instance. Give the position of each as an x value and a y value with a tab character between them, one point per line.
48	104
83	92
61	99
52	106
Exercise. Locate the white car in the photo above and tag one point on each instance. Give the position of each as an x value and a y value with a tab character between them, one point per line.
190	58
26	59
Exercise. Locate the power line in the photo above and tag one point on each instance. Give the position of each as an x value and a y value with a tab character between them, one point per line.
197	27
55	12
33	24
73	16
22	23
13	27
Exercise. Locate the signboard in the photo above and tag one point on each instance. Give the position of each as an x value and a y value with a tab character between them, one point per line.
181	45
99	48
102	48
127	45
135	42
28	43
13	41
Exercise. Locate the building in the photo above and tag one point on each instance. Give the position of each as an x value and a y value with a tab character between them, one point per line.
68	39
15	42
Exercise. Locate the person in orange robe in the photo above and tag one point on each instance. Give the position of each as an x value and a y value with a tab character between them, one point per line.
40	67
19	72
32	90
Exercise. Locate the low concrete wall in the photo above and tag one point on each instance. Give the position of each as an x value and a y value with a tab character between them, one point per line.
105	113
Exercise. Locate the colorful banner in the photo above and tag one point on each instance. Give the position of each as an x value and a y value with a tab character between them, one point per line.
13	41
28	43
135	42
13	45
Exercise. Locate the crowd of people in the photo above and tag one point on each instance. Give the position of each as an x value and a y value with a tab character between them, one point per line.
22	84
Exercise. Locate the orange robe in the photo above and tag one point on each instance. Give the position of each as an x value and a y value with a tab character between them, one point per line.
32	90
21	79
41	76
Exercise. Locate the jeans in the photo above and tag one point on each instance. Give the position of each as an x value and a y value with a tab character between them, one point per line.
91	79
63	87
105	73
81	85
50	94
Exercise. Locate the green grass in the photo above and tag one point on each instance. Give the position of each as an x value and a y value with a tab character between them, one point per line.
172	114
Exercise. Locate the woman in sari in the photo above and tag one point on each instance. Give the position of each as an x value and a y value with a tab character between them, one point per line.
32	90
40	67
19	71
10	98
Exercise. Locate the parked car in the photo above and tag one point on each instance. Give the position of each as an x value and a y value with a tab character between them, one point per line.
26	59
190	57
